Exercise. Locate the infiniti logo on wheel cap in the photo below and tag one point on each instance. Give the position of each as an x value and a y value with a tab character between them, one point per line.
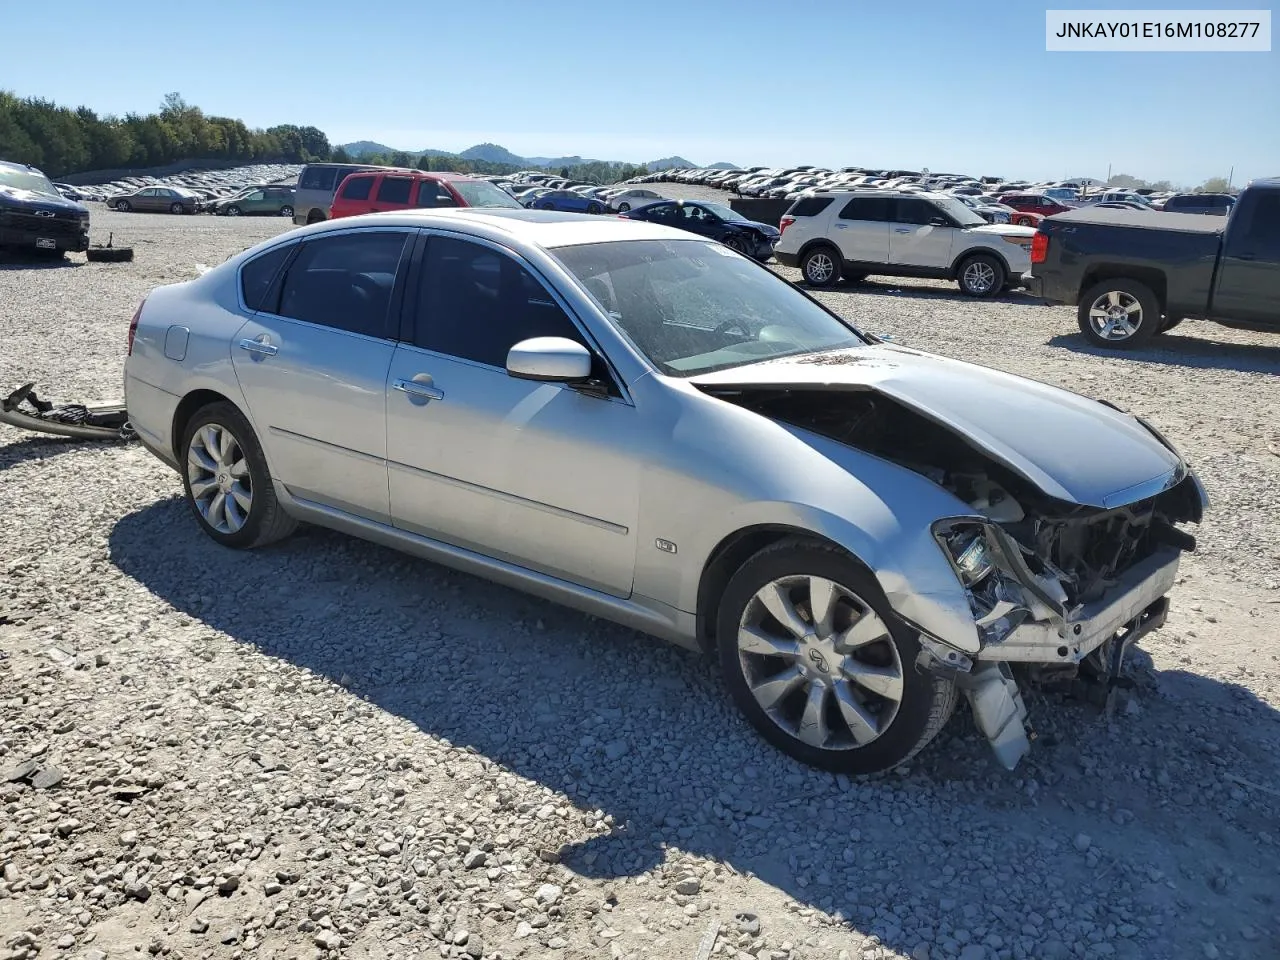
818	660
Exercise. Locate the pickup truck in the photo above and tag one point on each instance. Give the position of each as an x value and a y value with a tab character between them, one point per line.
1137	274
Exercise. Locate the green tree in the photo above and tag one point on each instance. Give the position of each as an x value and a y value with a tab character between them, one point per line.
1215	185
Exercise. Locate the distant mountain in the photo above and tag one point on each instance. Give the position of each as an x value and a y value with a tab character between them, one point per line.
669	163
724	165
494	153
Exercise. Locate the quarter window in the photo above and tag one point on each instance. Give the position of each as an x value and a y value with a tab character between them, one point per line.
344	281
476	304
318	178
874	209
256	277
357	188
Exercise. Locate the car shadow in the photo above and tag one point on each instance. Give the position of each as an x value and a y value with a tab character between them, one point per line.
30	261
40	447
895	287
1184	350
516	679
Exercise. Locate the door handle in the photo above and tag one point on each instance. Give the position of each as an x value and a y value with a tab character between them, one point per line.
421	390
262	346
1249	257
842	226
901	230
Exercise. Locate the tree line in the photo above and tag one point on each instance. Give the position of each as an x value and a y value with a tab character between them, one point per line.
62	141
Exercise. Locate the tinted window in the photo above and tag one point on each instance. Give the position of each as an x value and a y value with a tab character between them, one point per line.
914	211
1260	233
257	274
344	281
867	208
476	303
809	206
394	190
317	178
357	188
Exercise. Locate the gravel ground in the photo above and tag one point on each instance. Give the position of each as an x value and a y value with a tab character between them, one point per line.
328	749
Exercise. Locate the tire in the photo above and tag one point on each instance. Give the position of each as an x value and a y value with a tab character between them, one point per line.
1119	314
594	208
738	243
1170	323
265	521
315	216
820	267
233	211
286	211
109	254
854	279
124	206
882	733
981	275
624	207
177	208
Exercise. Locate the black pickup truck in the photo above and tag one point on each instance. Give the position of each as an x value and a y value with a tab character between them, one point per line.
1136	274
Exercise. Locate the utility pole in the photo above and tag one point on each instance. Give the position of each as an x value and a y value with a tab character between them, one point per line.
1231	176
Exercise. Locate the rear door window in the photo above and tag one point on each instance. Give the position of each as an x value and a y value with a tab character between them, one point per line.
394	190
873	209
914	211
433	193
345	281
809	206
357	188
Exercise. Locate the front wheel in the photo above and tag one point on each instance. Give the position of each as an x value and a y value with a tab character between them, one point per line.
738	243
124	206
227	483
1119	314
820	267
817	664
981	275
233	211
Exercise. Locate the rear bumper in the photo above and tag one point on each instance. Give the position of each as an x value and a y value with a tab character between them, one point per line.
27	240
1033	284
786	259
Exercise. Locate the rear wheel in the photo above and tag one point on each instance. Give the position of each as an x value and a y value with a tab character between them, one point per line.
1119	314
980	275
315	216
819	666
624	207
227	482
594	208
177	208
820	267
286	211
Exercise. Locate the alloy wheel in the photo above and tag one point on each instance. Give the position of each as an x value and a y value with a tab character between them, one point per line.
979	277
1115	315
820	662
218	472
819	268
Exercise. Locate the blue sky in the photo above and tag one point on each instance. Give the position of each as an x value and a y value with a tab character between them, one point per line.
953	87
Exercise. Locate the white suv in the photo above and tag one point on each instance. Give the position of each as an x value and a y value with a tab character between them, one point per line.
853	234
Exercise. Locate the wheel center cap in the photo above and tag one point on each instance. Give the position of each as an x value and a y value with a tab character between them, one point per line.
819	659
224	482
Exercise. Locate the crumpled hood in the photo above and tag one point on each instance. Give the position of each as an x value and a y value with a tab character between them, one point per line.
1071	447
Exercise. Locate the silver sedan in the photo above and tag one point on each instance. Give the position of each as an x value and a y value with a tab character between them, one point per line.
647	426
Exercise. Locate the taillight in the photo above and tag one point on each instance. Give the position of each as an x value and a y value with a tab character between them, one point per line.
133	325
784	223
1039	247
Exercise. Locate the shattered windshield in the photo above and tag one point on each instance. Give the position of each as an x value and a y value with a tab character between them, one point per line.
691	306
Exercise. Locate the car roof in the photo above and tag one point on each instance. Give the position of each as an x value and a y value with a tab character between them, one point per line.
543	228
415	174
890	192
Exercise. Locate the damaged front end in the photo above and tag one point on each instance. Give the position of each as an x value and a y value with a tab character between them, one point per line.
77	421
1058	590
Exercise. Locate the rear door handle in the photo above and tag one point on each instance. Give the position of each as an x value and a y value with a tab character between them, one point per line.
421	390
262	346
901	230
842	226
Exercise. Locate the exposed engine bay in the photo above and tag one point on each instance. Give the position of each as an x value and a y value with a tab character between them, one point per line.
1084	548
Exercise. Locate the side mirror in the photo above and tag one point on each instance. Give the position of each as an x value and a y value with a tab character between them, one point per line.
551	359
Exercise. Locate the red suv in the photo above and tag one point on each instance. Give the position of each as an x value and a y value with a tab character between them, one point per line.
1040	203
372	191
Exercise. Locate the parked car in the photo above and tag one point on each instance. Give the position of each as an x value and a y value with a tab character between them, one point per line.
377	191
624	200
579	408
1211	204
852	235
34	216
1136	275
1037	203
714	221
567	201
988	210
317	184
270	201
156	200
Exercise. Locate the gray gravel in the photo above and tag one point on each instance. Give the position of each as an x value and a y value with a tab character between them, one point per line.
330	749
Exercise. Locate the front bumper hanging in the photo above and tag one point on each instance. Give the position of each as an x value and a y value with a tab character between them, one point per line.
76	421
